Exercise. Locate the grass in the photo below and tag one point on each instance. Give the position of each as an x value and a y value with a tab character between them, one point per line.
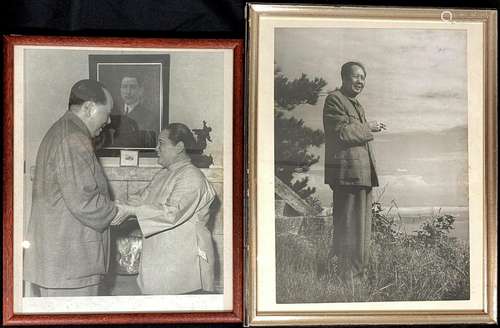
424	266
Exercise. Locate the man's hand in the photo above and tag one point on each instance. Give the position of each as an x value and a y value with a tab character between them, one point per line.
124	212
376	126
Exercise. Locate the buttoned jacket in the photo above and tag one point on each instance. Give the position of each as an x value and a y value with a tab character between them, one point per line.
178	251
349	158
67	240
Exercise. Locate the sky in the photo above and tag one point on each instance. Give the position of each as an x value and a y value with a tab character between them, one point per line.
416	84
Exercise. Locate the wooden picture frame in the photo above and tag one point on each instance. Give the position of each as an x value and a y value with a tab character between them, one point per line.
296	276
229	60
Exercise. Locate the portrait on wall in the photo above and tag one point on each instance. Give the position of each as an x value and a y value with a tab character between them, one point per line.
126	200
139	85
368	188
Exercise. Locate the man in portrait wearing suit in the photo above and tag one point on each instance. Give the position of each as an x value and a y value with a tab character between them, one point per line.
350	171
132	125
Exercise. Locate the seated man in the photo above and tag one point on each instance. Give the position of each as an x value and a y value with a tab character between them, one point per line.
172	212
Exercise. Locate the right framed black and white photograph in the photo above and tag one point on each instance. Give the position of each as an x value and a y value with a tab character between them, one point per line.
374	187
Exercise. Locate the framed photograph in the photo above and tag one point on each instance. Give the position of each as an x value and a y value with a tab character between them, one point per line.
372	165
89	239
139	86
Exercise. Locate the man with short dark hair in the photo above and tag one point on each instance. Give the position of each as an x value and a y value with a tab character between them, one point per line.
350	170
67	242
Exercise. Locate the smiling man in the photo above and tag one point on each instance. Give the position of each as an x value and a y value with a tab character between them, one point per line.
67	241
350	170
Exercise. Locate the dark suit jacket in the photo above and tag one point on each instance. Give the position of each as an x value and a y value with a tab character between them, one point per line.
349	159
137	129
145	119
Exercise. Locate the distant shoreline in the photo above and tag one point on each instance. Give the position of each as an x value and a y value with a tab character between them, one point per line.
425	211
409	219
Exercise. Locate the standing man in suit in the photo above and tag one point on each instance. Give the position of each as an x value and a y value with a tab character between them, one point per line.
67	244
350	170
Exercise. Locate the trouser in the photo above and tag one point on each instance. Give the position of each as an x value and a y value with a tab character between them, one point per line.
352	222
69	292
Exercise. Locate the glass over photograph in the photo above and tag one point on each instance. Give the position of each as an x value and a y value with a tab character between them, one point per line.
127	188
371	165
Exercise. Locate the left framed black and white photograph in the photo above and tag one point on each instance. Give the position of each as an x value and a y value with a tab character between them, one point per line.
123	175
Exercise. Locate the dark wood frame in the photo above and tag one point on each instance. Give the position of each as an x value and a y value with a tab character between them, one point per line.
163	60
234	316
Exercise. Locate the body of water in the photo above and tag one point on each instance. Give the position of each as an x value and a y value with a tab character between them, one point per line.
410	219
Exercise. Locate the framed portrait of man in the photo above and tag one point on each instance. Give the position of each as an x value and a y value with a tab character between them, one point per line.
372	165
139	85
124	166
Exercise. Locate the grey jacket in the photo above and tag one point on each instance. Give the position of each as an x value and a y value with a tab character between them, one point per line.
349	159
68	228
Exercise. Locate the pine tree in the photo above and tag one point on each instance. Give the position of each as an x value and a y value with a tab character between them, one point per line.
292	139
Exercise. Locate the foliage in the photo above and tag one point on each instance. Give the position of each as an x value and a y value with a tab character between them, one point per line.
424	265
292	138
383	227
288	94
315	203
434	231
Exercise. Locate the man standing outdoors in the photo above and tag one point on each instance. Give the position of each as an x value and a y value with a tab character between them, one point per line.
350	170
66	249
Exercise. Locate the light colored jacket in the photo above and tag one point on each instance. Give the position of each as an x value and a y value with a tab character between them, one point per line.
178	252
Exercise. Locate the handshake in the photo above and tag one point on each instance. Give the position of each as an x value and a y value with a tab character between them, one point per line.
125	212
